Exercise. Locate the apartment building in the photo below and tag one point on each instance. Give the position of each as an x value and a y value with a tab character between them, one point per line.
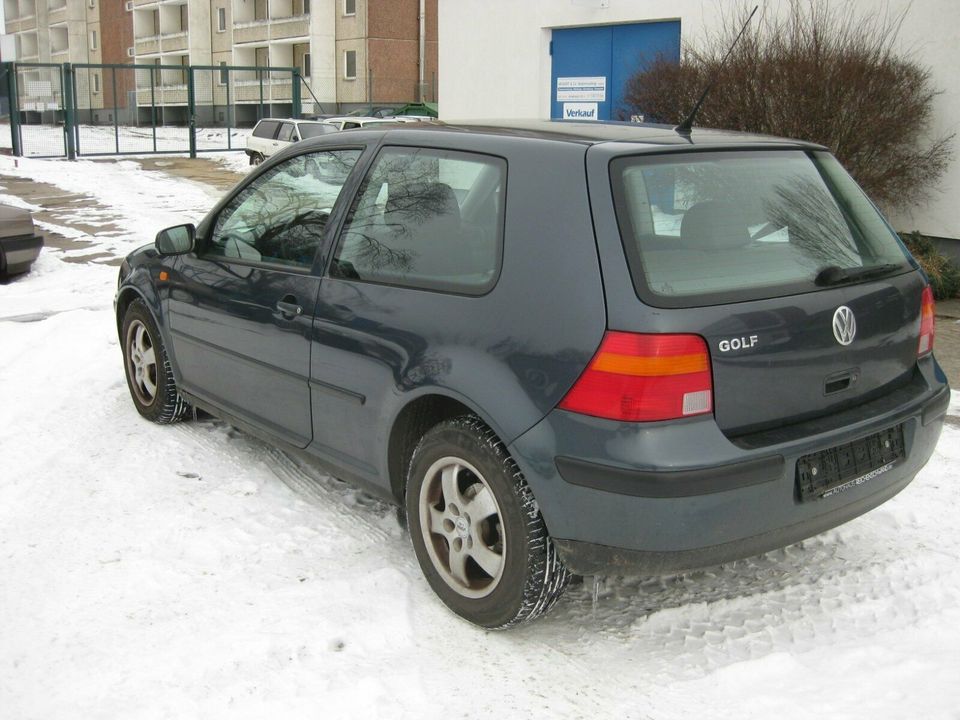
349	52
55	31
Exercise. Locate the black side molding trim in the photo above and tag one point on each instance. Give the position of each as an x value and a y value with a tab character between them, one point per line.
936	408
670	483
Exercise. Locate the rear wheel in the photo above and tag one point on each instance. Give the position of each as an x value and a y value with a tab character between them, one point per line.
149	376
476	529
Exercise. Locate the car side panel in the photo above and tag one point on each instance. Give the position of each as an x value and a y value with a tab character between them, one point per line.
376	347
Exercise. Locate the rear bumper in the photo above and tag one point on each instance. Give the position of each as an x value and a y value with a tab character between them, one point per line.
665	497
18	253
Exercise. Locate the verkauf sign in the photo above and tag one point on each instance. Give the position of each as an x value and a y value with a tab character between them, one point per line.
580	111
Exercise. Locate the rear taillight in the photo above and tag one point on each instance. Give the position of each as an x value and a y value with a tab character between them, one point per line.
927	307
637	377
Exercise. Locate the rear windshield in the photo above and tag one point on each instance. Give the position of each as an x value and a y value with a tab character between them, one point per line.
707	228
309	130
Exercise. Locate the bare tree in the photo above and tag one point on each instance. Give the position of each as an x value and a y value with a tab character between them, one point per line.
820	72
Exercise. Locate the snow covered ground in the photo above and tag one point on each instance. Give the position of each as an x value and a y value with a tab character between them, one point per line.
195	572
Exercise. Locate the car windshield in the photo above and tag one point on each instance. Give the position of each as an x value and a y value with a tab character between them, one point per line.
309	130
723	226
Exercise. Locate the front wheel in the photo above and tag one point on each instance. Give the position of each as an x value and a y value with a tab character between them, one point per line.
476	529
256	159
149	376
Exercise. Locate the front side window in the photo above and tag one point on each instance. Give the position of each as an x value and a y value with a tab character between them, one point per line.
429	219
286	132
281	217
724	226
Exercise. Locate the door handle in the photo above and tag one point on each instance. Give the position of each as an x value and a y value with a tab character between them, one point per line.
288	307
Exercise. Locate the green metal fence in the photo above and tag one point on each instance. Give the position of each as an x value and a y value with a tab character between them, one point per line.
87	110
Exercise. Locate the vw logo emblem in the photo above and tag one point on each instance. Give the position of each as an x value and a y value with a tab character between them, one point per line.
844	325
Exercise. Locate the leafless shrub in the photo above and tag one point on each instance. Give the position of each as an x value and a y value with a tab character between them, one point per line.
819	72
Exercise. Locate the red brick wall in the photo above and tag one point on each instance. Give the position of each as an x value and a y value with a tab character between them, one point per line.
393	48
116	31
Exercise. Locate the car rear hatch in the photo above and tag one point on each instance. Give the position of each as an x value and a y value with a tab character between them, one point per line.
807	300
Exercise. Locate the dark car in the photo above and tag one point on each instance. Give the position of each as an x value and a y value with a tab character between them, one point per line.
562	347
19	243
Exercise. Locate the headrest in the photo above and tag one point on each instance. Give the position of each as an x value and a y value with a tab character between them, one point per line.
714	225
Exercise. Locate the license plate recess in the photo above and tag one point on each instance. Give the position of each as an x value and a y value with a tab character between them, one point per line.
839	468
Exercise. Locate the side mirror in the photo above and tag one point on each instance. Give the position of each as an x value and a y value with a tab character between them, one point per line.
176	240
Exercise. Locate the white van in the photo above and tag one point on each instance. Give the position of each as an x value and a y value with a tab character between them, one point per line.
271	135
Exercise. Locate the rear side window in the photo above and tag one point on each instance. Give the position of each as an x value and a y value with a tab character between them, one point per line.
707	228
429	219
266	129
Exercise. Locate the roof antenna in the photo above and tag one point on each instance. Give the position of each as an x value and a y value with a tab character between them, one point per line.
684	127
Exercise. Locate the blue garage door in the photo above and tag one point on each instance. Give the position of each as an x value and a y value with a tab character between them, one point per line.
591	65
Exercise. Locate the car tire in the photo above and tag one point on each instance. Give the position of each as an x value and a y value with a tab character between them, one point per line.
477	530
147	367
256	159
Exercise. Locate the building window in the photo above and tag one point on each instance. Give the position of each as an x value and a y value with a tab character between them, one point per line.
184	18
306	7
92	4
349	7
350	65
221	19
93	39
96	82
224	73
306	64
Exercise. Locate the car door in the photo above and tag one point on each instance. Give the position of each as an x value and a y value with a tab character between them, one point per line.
285	137
241	307
418	252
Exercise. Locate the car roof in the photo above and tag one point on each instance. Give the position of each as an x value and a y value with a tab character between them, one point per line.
592	132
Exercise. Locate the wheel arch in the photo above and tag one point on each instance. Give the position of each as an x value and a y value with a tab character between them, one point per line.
143	290
410	424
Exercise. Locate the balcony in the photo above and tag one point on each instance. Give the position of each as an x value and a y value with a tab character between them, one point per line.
174	42
57	15
149	45
251	31
274	90
162	95
290	27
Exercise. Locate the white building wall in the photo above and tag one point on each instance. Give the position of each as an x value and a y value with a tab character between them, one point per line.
323	60
495	61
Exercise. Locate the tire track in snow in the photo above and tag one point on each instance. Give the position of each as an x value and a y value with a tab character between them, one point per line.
309	484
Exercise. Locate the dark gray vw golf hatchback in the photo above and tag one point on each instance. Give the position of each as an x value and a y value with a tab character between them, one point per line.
562	347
